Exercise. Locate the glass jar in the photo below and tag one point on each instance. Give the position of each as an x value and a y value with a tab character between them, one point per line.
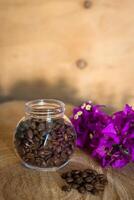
45	138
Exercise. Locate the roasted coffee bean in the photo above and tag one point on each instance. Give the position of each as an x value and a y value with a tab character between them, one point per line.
88	179
79	180
99	186
30	155
76	176
24	125
20	135
41	127
57	161
33	125
64	175
76	172
30	134
74	185
50	143
84	174
69	151
89	187
66	188
59	149
44	164
69	180
22	151
82	190
66	137
36	132
102	179
85	181
69	174
94	191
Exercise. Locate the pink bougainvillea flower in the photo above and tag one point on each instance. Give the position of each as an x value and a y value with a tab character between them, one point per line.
110	139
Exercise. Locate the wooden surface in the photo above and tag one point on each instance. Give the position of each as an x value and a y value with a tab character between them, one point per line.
41	40
20	183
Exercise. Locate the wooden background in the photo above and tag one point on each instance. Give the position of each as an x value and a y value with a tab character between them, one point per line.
41	40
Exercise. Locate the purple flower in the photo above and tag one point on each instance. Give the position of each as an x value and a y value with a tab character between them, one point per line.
110	139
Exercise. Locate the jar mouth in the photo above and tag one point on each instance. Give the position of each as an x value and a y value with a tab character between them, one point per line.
42	108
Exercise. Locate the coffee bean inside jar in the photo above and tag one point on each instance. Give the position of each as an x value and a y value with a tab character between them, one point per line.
45	138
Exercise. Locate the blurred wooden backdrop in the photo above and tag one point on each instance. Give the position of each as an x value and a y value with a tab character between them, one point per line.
41	42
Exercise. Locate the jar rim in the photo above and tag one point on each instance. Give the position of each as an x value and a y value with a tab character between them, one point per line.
45	107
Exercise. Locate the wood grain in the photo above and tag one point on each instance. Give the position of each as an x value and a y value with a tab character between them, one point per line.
43	39
20	183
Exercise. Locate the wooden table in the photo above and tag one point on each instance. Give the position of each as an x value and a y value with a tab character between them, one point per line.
20	183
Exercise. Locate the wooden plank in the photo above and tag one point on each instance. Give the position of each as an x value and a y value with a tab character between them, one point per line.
42	40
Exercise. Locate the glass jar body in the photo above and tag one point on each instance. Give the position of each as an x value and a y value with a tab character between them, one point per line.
45	143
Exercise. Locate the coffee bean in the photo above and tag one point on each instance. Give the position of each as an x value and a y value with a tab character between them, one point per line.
99	186
88	187
85	181
74	185
82	190
69	151
20	135
44	164
41	127
88	179
30	134
69	180
59	149
45	144
84	174
22	151
64	175
66	188
69	174
76	172
35	132
94	191
33	125
79	180
66	137
57	161
24	125
101	177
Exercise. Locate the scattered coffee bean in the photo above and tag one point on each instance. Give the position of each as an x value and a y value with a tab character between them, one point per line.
84	174
79	180
82	189
88	187
69	180
75	172
94	191
99	186
43	144
66	188
85	181
89	179
74	185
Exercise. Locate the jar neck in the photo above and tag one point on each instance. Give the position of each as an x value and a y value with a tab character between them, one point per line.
45	108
